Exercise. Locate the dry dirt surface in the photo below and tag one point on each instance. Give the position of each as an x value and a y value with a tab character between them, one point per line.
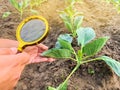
99	15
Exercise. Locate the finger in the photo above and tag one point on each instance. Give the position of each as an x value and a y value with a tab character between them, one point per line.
42	48
37	48
8	51
51	59
42	59
8	61
6	43
22	58
37	60
31	50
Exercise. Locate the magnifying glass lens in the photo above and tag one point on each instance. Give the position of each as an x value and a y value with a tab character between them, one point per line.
32	30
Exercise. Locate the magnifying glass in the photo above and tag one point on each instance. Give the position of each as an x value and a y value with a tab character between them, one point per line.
31	31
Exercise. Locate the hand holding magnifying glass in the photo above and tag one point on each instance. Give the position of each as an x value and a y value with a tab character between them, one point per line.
30	31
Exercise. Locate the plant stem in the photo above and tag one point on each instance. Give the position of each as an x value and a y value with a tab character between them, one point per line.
76	57
73	59
90	60
87	57
76	67
81	56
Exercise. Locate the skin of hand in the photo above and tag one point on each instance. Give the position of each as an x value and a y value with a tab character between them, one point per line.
13	63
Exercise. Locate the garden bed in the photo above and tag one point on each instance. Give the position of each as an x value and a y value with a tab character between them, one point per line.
98	15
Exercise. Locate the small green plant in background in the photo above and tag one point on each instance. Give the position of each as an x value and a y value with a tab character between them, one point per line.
36	3
5	14
71	17
20	6
26	6
91	71
72	2
116	3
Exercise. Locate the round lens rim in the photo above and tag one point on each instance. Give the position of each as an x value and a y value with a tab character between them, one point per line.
22	43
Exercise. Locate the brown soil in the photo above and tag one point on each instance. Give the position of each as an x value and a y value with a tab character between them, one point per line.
99	15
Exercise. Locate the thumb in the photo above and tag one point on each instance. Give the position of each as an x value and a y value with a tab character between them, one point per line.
22	58
16	60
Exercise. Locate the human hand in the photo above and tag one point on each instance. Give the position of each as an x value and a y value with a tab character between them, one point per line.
12	64
35	53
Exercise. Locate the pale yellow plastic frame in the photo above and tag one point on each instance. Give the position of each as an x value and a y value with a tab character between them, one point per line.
23	43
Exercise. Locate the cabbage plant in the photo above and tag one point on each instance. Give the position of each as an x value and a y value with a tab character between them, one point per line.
88	46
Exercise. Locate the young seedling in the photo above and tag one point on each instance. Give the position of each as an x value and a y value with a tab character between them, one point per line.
91	71
88	47
36	3
72	2
71	18
20	6
6	14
